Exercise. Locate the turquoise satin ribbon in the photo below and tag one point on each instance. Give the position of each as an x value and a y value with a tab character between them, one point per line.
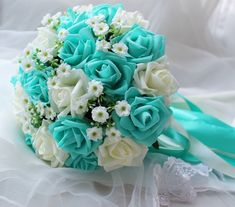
199	137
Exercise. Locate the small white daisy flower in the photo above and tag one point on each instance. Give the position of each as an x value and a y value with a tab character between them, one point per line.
120	48
47	20
45	55
27	64
40	108
93	21
51	21
50	113
94	133
101	29
113	133
103	45
95	88
80	107
122	108
52	82
63	68
28	51
25	101
118	21
63	34
100	114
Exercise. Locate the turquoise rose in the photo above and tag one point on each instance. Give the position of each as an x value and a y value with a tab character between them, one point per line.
78	48
73	22
143	45
107	10
85	163
34	83
70	135
113	71
147	120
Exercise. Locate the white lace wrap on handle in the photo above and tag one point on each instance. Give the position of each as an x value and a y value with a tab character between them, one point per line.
178	180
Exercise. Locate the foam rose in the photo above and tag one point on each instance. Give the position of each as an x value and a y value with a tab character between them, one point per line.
143	45
46	147
70	135
78	48
147	120
112	70
116	153
153	78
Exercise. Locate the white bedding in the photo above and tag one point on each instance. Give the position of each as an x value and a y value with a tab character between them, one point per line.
201	50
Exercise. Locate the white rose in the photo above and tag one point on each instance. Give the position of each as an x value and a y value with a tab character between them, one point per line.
65	96
46	39
46	147
153	78
116	153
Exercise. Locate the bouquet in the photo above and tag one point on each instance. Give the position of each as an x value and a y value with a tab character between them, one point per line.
94	90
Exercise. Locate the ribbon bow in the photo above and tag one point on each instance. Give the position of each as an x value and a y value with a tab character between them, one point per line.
198	137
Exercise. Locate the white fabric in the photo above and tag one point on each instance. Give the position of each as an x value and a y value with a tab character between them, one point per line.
201	50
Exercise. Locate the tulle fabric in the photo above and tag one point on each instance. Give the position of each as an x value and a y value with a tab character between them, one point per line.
200	48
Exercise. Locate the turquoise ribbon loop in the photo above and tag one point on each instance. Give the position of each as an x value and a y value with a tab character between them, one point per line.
212	133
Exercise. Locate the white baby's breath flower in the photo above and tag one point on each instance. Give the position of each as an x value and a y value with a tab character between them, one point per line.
45	55
63	68
46	20
95	88
21	100
122	108
28	51
103	45
51	21
21	104
50	113
100	114
118	21
120	48
25	101
80	107
94	133
83	8
93	21
137	18
40	108
125	20
113	133
101	29
63	34
52	82
27	64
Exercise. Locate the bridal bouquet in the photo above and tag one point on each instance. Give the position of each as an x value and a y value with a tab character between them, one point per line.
94	89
